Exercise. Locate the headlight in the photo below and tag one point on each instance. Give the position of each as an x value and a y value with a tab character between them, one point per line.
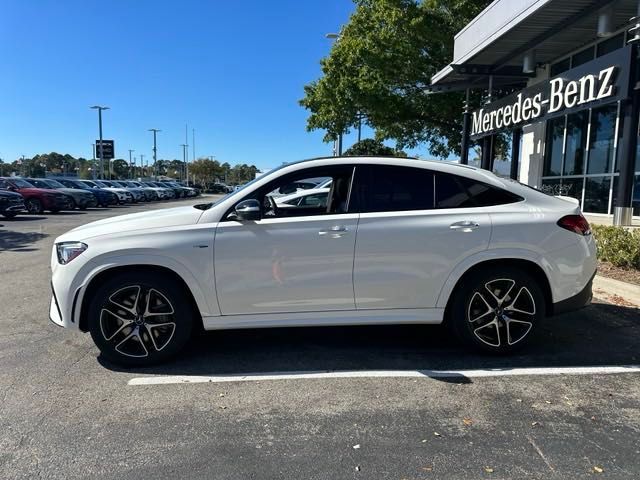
67	251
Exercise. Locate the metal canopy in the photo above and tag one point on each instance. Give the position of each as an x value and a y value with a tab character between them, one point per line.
499	37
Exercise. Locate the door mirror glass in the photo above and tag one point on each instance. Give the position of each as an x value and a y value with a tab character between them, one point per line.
248	210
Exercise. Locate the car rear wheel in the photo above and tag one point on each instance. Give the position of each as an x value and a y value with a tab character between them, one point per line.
34	206
140	319
72	204
497	310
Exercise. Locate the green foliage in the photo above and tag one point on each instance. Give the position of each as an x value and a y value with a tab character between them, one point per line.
208	172
379	67
618	246
370	146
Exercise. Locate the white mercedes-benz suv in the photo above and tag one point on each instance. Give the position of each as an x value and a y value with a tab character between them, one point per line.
399	241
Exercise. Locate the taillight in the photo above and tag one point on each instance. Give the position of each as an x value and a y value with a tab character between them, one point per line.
576	224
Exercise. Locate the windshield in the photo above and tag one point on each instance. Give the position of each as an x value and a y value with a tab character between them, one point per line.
20	183
54	183
88	183
39	183
207	206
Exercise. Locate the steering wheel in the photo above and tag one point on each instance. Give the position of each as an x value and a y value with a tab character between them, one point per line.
273	205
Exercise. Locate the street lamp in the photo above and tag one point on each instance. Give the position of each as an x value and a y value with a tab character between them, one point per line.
155	148
130	164
184	157
337	145
101	156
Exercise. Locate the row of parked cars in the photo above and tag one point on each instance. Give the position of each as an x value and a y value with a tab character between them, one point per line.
36	195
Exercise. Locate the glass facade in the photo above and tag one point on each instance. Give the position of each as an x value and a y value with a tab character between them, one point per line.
579	159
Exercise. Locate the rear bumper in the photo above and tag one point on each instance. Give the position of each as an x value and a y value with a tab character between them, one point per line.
577	301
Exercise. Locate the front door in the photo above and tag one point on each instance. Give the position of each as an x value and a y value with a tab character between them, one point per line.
296	258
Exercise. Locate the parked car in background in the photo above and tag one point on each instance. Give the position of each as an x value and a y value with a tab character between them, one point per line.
314	197
151	194
103	196
219	188
37	200
138	194
186	191
124	196
178	191
163	192
399	241
81	199
11	203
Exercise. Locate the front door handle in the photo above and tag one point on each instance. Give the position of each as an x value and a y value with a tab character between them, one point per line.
464	226
335	231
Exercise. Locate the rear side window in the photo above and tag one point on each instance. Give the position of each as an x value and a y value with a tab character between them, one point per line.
453	191
389	188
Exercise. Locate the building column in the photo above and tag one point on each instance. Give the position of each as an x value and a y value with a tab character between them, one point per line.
466	125
488	152
515	153
623	212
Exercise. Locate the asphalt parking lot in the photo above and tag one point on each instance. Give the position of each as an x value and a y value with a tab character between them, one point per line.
66	413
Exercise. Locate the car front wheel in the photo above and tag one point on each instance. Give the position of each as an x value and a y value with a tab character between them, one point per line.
497	310
34	206
140	319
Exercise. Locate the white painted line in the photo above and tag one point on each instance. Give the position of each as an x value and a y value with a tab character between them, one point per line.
506	372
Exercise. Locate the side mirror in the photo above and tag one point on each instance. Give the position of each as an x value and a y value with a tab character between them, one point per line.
11	188
248	210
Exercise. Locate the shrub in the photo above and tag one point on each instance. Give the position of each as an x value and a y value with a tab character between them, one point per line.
618	246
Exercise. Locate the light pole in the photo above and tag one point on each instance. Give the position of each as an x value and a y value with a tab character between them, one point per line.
337	144
142	164
155	148
130	164
93	161
184	158
100	154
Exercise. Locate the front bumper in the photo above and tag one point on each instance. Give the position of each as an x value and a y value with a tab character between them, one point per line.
12	207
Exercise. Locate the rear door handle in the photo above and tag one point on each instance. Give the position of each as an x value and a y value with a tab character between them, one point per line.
335	231
464	226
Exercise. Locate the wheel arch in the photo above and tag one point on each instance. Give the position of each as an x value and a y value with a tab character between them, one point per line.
104	275
527	265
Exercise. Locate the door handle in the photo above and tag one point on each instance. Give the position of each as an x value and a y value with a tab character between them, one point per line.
335	231
464	226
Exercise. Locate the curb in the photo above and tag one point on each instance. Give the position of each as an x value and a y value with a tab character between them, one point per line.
617	292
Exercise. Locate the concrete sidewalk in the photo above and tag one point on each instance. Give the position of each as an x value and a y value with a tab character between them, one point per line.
616	292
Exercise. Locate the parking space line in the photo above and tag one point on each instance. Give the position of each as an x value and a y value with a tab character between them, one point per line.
485	373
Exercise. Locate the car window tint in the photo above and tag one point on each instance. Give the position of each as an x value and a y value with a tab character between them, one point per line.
392	188
453	191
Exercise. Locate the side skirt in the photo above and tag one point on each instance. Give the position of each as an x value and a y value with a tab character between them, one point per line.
313	319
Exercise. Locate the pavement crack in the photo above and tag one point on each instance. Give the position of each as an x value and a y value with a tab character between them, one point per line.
539	452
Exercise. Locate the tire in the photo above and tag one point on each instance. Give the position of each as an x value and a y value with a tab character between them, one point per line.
34	206
9	214
72	204
486	318
55	210
138	340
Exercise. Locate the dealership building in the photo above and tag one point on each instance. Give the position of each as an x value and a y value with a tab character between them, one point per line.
557	80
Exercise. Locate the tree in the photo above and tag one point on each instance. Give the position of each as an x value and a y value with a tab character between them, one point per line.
369	146
379	67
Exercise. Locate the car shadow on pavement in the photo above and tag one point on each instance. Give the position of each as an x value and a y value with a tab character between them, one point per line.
601	334
19	241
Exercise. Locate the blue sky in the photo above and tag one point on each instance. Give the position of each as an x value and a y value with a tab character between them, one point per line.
232	70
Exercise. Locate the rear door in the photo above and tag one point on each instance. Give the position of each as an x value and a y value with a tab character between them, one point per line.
415	227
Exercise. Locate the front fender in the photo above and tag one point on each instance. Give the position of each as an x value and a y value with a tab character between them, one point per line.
107	261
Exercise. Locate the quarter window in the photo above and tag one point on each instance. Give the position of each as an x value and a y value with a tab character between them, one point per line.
453	191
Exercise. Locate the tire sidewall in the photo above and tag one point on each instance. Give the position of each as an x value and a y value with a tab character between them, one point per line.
465	290
165	285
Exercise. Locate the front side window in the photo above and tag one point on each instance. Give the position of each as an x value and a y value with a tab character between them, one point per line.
389	188
290	189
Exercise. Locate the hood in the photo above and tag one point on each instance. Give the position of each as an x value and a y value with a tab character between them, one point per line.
39	191
169	217
73	191
9	195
